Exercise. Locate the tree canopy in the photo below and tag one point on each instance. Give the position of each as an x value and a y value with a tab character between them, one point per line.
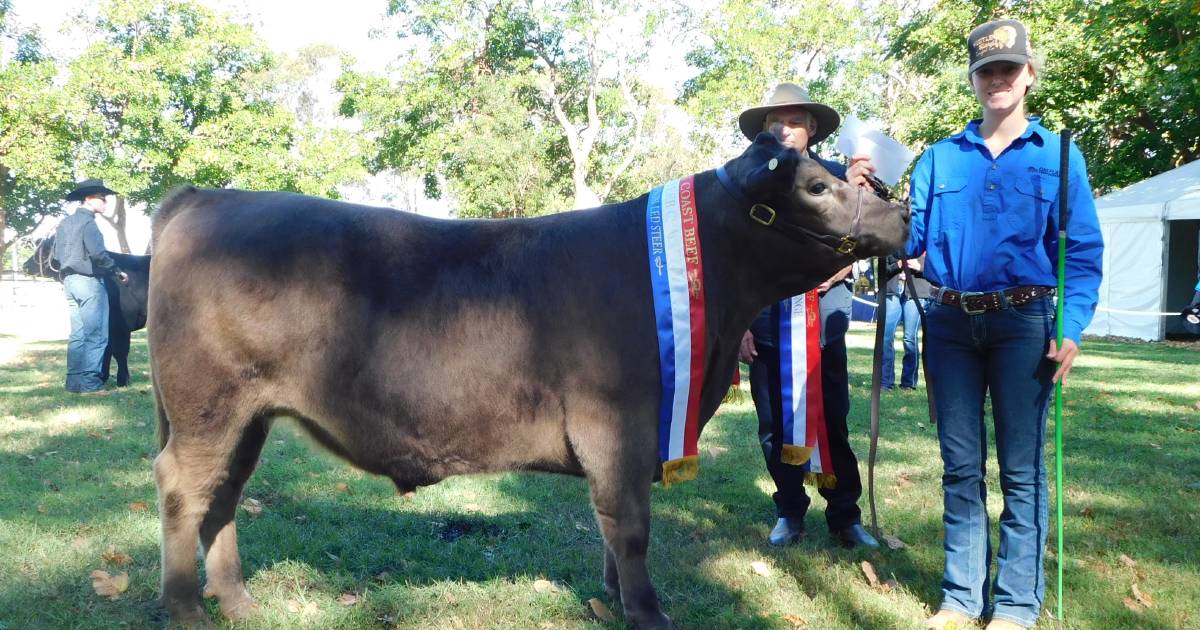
521	107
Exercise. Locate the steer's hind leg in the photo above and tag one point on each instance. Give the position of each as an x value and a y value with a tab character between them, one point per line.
182	501
199	474
621	496
218	530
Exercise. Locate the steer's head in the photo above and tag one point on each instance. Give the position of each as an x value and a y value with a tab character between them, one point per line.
797	205
39	264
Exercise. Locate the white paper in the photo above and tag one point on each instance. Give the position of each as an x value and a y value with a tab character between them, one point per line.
889	157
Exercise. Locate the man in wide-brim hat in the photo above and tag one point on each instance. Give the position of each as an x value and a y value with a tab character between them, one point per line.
800	123
85	264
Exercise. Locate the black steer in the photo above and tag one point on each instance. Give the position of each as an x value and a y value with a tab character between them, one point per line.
126	302
419	348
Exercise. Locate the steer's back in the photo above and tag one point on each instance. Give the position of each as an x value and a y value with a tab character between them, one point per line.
415	347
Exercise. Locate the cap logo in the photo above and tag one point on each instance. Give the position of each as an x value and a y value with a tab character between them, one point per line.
1003	37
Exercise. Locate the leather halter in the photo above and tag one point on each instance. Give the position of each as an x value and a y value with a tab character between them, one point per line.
767	216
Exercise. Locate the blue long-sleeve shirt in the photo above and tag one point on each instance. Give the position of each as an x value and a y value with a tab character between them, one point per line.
989	223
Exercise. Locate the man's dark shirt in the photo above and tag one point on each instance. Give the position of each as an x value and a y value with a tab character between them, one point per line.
79	247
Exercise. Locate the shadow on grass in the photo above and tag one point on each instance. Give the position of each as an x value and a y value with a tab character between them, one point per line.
82	482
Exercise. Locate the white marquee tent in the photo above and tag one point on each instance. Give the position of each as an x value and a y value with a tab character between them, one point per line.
1151	239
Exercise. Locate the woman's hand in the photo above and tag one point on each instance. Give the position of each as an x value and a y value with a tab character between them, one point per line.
1064	357
747	351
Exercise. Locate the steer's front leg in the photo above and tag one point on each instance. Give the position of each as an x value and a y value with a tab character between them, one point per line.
622	503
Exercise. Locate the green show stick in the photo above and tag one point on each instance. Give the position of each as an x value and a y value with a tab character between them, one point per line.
1064	215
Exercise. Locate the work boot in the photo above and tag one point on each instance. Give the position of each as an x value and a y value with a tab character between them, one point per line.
787	531
856	535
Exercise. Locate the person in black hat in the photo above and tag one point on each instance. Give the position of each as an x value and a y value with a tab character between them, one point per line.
79	250
800	123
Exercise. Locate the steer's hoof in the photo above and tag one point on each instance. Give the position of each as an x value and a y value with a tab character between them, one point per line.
240	608
190	617
649	621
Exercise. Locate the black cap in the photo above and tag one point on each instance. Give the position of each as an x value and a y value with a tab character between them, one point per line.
87	188
1001	40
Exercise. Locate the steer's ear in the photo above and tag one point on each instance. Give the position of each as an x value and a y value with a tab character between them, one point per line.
767	168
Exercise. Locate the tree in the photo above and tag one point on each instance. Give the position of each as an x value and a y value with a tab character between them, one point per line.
516	107
1125	76
179	93
36	125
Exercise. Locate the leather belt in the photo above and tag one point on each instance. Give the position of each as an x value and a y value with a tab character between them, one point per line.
974	303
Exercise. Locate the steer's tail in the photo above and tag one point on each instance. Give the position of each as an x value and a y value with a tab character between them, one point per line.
177	200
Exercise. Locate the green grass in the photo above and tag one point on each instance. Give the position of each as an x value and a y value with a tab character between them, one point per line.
465	553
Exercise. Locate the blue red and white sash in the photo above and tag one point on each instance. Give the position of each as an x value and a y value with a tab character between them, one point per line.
677	281
805	439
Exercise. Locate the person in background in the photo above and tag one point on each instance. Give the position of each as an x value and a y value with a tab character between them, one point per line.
985	212
904	308
800	123
79	250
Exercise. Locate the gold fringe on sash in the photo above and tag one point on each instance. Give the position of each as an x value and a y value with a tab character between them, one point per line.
827	481
684	468
795	454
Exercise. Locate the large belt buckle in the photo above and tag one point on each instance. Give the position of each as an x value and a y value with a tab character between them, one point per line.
962	303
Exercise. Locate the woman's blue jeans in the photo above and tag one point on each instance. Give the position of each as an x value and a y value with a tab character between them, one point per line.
1002	354
88	304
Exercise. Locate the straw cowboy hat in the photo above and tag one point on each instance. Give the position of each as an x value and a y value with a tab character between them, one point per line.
790	95
87	188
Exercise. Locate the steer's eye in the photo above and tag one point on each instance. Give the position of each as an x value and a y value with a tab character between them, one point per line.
817	188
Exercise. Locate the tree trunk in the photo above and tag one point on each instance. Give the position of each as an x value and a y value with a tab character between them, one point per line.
119	224
3	214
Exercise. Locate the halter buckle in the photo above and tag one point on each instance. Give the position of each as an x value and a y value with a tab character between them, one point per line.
768	219
847	246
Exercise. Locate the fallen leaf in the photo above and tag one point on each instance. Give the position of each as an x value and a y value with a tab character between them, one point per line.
343	487
869	571
760	568
893	542
1141	597
1087	513
138	506
920	425
348	599
796	620
1155	446
581	527
306	609
889	500
600	610
110	586
1127	561
717	451
333	557
545	586
41	509
252	506
1131	605
112	556
890	585
50	484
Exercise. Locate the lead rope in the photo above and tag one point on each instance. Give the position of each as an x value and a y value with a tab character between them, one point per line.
876	383
911	286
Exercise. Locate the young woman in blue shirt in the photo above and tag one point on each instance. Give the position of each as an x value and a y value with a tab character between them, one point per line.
985	212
